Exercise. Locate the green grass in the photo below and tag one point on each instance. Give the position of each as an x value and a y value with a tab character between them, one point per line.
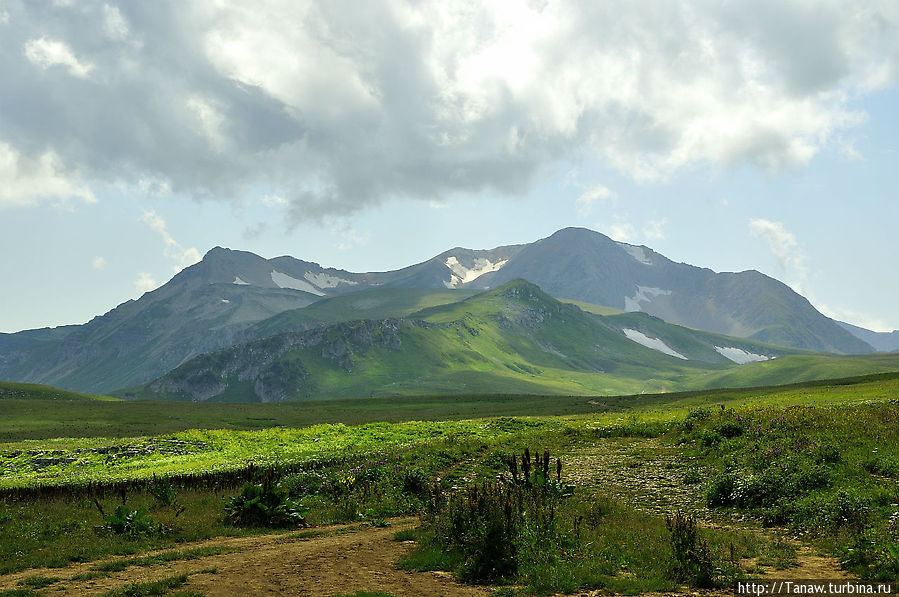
146	589
39	582
378	303
806	467
205	454
842	498
592	308
29	391
43	419
163	558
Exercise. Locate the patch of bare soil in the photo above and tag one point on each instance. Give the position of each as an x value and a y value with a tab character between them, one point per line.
345	560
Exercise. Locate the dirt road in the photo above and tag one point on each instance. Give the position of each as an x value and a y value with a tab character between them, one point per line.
345	559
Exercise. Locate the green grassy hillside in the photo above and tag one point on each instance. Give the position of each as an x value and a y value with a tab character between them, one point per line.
514	339
796	368
379	303
42	417
31	391
511	340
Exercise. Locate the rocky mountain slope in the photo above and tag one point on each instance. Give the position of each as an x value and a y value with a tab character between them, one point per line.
232	297
881	341
511	339
580	264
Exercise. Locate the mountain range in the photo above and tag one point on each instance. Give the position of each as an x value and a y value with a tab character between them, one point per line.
232	298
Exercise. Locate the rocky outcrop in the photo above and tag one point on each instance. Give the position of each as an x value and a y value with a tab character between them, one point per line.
272	368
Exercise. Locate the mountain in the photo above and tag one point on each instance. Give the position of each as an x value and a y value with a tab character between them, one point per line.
881	341
232	297
200	310
514	338
583	265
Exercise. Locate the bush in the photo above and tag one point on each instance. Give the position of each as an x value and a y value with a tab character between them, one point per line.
730	429
413	481
264	505
827	454
884	467
721	491
131	523
710	437
164	492
695	416
482	523
691	555
496	527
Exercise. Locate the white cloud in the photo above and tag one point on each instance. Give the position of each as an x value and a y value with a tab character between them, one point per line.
274	200
784	246
26	181
655	229
145	283
621	231
597	193
173	249
4	16
208	121
342	106
114	23
346	235
45	53
153	185
98	262
849	151
875	324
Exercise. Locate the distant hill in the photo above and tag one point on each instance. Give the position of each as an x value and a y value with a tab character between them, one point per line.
881	341
233	297
580	264
514	338
30	391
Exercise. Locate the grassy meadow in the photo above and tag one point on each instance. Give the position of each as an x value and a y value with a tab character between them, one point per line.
558	479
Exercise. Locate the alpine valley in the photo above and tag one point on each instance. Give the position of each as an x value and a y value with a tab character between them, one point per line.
574	313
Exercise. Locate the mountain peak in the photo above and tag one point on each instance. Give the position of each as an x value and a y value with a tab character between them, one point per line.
216	251
517	287
520	289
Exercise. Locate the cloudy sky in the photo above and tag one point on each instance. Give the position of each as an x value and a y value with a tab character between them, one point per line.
135	136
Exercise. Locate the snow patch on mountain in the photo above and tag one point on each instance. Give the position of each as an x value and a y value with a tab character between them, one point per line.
638	253
240	282
653	343
645	294
740	356
282	280
323	280
462	275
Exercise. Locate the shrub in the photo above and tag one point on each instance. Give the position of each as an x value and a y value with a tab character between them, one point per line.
827	454
131	523
264	505
164	492
496	527
482	524
884	467
691	555
710	437
730	429
695	416
721	491
413	481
